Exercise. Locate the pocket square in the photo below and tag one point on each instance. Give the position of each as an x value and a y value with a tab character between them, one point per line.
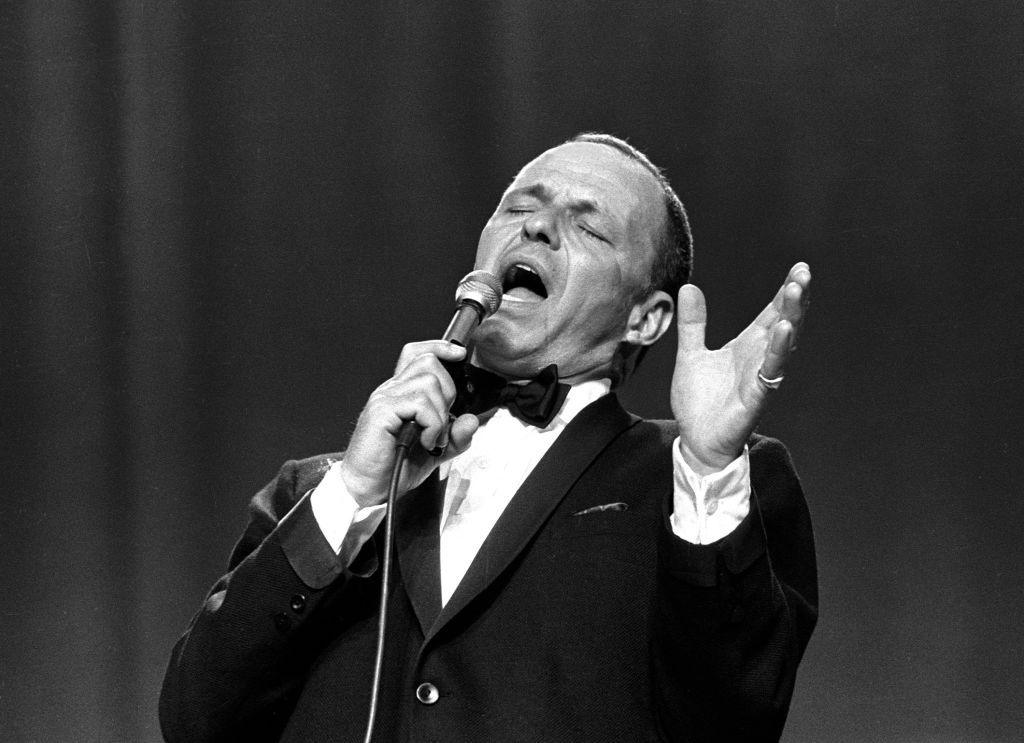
606	507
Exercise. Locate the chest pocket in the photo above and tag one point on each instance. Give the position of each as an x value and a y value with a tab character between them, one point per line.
599	537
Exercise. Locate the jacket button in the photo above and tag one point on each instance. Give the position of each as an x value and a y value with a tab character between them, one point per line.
427	693
283	622
298	603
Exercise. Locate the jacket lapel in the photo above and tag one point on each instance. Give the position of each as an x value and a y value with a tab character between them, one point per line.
417	541
577	446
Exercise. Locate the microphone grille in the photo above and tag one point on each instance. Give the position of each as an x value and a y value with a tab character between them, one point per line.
482	287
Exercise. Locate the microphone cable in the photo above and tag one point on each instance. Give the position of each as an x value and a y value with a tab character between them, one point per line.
401	455
478	297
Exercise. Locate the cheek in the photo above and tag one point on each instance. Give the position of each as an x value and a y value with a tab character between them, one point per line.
632	270
493	240
486	241
601	283
599	316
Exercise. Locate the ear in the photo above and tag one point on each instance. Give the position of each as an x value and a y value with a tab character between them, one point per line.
649	319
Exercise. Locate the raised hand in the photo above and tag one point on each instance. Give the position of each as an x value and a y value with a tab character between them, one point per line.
718	396
421	390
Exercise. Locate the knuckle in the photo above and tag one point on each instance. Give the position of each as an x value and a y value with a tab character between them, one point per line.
430	420
411	352
434	383
421	385
426	398
382	394
424	362
410	363
406	353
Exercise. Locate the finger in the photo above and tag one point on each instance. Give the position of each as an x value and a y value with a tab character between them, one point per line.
796	299
461	434
770	314
420	399
777	353
800	274
435	407
799	268
434	423
803	278
398	407
429	365
422	386
441	349
693	318
792	303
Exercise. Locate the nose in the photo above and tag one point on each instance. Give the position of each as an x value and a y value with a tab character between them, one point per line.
540	227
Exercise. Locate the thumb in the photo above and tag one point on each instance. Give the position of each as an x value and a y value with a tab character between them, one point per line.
693	317
461	434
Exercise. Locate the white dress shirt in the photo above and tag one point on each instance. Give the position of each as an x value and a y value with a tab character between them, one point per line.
482	480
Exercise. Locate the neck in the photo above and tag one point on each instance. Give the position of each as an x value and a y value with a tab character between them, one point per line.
612	371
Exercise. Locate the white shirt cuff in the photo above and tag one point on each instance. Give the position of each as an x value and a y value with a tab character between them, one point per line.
345	525
705	509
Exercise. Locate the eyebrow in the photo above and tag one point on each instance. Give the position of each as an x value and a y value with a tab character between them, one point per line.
544	194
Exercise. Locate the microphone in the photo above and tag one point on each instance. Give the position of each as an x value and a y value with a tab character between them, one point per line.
477	298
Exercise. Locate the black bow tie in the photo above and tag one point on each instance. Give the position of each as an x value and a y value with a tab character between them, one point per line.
537	402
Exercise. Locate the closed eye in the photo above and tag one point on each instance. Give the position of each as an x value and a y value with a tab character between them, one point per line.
592	233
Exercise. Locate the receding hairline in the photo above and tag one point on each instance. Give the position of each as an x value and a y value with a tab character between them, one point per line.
641	162
654	199
624	148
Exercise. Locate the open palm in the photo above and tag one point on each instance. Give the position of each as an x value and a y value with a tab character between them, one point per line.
717	397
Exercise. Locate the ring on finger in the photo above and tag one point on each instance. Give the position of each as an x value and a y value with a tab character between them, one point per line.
444	440
770	384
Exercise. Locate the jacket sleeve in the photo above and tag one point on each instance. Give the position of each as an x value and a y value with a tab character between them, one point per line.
236	672
733	618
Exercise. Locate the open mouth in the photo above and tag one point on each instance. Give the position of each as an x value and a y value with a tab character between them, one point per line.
522	282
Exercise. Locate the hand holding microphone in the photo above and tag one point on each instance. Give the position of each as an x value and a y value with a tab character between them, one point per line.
413	405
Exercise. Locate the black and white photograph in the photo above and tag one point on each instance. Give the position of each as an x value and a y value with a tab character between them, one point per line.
511	372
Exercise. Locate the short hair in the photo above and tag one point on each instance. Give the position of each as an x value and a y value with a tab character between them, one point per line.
673	248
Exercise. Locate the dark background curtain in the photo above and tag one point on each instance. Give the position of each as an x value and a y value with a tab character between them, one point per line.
220	221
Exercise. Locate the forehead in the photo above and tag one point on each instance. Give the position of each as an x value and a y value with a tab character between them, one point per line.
617	184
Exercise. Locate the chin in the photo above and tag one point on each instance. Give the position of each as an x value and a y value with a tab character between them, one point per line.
501	353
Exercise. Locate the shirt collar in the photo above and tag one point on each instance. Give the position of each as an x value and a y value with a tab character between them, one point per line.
580	396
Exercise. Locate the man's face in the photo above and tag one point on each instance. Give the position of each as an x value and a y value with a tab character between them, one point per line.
572	241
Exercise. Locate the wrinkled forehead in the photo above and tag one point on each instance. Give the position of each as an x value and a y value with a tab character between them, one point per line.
589	171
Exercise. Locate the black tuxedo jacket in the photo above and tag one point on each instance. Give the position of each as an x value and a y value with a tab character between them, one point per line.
572	623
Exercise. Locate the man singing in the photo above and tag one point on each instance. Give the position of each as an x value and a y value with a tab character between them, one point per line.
565	570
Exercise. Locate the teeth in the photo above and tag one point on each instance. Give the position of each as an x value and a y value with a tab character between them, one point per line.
526	268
